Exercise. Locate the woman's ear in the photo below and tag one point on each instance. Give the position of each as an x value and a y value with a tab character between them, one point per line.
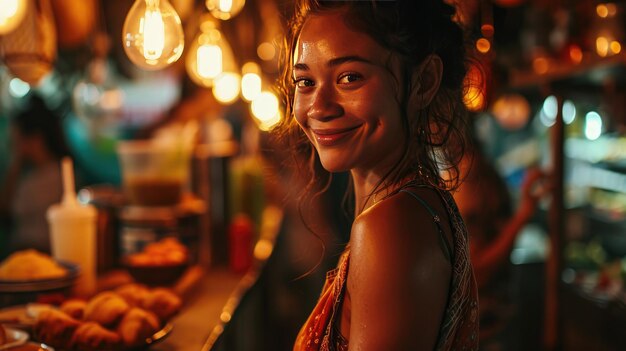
425	81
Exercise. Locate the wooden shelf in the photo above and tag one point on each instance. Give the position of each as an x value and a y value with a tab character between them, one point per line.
590	73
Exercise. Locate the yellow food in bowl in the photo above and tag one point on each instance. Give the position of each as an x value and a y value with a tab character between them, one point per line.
30	265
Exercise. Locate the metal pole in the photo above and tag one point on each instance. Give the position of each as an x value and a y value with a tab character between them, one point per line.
554	265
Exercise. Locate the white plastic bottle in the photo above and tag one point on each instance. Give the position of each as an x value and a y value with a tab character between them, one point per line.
73	233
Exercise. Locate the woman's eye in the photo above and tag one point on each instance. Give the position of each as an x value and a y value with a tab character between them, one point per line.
302	82
349	78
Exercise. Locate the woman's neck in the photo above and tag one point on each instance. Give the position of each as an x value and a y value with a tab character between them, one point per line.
363	187
368	191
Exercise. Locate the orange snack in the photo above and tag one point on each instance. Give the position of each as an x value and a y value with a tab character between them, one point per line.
106	308
55	327
74	308
162	302
133	293
167	251
137	325
91	336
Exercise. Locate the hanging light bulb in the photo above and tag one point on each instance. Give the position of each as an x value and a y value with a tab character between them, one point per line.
153	35
209	55
226	87
225	9
251	82
12	12
265	109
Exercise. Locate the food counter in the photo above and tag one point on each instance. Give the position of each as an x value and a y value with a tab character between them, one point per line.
212	299
204	312
210	296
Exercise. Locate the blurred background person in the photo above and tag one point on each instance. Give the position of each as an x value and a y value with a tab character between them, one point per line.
33	181
493	224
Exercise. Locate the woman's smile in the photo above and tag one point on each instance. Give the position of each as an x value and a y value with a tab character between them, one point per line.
333	136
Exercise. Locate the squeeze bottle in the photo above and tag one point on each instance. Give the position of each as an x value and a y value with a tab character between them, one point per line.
240	242
73	233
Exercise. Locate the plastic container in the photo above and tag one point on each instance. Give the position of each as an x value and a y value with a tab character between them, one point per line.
73	233
153	174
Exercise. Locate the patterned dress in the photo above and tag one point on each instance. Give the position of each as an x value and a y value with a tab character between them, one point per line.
459	327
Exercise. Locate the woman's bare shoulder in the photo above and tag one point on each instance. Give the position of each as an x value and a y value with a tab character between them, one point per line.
400	275
402	229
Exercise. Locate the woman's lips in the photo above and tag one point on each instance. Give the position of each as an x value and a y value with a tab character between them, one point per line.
329	137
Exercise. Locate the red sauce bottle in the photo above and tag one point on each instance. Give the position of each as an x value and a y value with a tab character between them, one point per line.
240	241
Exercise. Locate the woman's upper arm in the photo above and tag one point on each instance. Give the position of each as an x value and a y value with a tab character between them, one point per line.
399	278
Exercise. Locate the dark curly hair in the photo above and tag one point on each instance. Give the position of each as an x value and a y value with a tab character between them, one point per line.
413	30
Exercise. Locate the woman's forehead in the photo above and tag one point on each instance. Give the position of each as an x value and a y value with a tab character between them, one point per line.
327	35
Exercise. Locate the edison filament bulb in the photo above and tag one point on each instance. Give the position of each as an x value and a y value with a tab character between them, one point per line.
153	35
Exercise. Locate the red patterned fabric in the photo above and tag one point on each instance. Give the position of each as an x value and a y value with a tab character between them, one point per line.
316	332
459	328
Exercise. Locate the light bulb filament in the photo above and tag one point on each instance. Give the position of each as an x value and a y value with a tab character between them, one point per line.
153	29
153	35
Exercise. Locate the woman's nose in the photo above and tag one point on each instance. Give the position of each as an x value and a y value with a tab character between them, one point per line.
324	105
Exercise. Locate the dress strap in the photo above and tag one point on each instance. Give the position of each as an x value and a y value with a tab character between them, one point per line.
445	245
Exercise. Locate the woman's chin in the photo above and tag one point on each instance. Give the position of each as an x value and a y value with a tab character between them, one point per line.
334	167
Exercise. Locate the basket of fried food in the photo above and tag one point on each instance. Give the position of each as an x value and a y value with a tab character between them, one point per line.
130	317
159	263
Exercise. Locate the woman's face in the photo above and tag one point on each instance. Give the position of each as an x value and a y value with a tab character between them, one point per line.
346	98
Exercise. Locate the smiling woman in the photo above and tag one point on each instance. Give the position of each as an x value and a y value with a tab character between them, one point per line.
346	98
374	88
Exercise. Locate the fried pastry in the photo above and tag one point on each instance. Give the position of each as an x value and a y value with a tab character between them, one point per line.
91	336
74	308
55	327
137	325
133	293
106	308
163	303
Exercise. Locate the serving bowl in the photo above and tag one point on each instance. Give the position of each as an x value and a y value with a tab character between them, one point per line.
18	292
156	275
